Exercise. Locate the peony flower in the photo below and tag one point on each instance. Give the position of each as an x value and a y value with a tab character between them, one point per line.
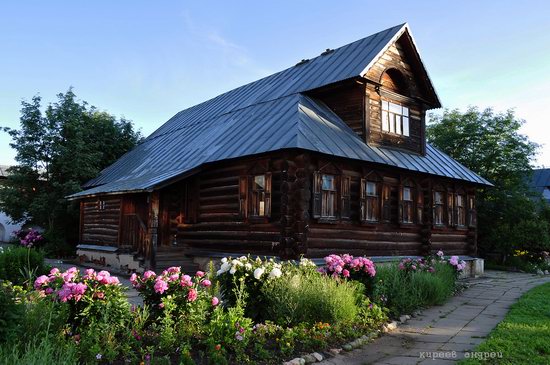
206	283
173	270
345	272
148	274
199	274
440	253
133	279
215	301
186	281
174	277
454	260
275	273
41	280
89	273
160	285
113	280
54	271
258	273
192	295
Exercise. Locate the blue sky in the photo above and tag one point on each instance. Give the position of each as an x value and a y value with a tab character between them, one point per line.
148	60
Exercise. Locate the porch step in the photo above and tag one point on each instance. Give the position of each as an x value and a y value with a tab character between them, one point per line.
167	256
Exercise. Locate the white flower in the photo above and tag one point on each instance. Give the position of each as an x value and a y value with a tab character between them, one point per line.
248	266
275	273
225	267
236	262
243	258
258	273
224	260
233	270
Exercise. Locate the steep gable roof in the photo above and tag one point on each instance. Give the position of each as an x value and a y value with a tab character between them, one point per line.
268	115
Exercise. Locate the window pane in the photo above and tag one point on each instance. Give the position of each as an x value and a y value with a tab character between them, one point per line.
405	126
407	194
392	123
385	105
460	200
398	124
328	182
385	122
395	108
259	182
438	197
405	111
371	188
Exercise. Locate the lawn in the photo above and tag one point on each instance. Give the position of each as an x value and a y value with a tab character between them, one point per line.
524	335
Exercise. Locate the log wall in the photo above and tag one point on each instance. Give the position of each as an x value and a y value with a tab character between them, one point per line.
100	221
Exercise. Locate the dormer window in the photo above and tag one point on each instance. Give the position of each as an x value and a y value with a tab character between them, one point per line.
395	118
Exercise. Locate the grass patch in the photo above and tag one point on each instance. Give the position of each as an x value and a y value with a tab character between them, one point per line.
524	335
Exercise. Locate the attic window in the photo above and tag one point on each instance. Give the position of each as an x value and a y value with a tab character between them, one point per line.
395	118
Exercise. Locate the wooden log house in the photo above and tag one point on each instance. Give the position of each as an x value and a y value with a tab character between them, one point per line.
328	156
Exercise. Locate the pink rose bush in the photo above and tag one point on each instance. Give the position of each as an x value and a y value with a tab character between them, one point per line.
347	266
183	290
29	239
87	295
416	265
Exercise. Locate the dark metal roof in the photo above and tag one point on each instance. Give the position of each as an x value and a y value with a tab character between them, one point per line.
540	178
268	115
294	121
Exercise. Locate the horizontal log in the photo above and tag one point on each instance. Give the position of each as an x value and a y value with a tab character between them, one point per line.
244	235
204	183
222	190
229	244
449	237
222	208
326	243
363	233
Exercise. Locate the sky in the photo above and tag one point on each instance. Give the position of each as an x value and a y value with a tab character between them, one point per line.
147	60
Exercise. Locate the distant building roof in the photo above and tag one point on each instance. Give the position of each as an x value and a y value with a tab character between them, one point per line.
540	182
270	114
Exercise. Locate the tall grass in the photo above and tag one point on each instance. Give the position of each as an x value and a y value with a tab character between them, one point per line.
404	292
301	296
40	351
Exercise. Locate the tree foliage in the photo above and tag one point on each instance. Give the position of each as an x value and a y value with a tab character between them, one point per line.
57	150
491	145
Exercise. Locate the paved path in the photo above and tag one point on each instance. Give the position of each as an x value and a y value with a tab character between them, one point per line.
459	325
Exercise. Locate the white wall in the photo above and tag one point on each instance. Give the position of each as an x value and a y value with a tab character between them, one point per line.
5	234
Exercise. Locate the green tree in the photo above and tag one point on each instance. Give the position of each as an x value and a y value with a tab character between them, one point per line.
57	151
490	144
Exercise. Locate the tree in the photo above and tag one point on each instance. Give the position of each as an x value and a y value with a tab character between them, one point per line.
490	144
57	151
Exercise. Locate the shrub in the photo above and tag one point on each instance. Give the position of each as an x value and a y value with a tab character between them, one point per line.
346	266
305	296
254	273
11	313
403	291
14	262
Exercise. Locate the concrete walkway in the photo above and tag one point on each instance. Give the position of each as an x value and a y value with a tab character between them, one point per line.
459	325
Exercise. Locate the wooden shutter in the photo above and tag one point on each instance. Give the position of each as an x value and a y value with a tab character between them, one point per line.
386	203
470	206
267	192
363	200
243	196
345	209
317	194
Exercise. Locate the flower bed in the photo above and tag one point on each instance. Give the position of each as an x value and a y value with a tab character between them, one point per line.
251	310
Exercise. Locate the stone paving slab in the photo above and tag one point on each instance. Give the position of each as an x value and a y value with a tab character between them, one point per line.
459	325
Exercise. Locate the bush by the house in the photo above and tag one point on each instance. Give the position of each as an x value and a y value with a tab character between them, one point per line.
15	262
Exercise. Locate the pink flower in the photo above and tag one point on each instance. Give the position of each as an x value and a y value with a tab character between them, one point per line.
148	274
41	280
113	280
54	271
99	295
160	285
206	283
345	273
454	260
173	270
174	277
440	253
133	279
186	281
49	291
89	273
215	301
413	267
200	274
192	295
